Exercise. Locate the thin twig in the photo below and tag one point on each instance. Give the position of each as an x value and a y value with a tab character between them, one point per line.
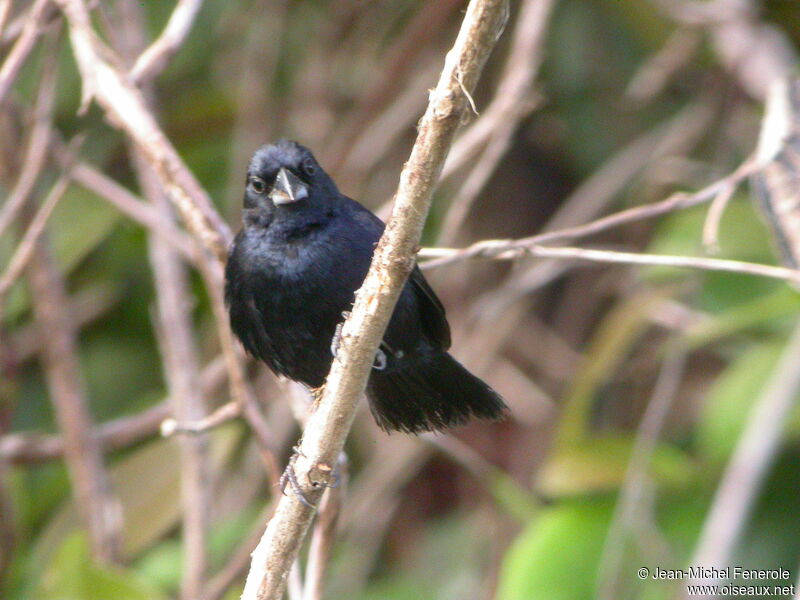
226	412
5	9
132	207
327	428
179	353
239	560
34	27
505	250
176	339
27	245
125	106
714	218
652	76
156	56
678	201
637	476
31	448
511	103
38	140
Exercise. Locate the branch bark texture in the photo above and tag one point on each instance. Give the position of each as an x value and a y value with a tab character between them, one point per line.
324	436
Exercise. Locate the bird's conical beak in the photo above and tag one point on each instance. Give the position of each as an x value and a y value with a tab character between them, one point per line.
288	188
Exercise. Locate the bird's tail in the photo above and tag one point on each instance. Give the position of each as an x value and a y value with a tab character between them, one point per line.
431	394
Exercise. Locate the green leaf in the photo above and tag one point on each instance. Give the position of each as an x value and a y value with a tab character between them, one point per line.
556	557
600	464
728	404
609	347
742	236
73	576
147	483
768	310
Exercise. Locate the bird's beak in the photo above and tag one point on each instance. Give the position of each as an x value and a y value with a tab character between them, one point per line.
288	188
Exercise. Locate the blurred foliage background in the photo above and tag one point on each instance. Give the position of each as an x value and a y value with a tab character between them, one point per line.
578	489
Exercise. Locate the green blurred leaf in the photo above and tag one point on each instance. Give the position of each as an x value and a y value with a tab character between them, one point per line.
742	236
770	309
73	576
509	494
162	565
147	483
460	538
610	345
599	464
557	555
79	223
728	403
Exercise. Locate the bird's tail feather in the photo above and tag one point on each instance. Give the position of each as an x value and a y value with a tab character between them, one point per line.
431	394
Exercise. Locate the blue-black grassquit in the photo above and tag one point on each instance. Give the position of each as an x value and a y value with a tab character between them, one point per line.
303	251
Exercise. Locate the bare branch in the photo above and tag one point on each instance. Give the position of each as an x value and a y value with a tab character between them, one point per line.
324	436
33	28
637	473
31	448
513	100
177	345
491	248
127	109
133	208
5	9
651	77
100	510
27	246
113	435
504	249
156	56
321	548
36	151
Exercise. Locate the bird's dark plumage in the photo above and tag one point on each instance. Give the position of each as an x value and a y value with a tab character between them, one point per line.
293	270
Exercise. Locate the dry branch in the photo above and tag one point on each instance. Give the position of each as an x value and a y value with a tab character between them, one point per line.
505	249
323	438
32	29
103	81
677	201
18	448
92	488
156	56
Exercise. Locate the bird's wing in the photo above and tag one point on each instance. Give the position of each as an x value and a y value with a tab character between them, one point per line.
431	310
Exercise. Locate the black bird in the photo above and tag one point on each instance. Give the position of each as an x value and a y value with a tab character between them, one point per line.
303	251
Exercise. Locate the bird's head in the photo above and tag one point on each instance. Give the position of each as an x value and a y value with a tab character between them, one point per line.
286	177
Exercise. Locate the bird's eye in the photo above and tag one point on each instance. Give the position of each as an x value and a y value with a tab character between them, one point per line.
258	185
309	168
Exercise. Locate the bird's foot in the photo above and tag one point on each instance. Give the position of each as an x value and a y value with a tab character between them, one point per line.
316	396
290	478
337	335
379	364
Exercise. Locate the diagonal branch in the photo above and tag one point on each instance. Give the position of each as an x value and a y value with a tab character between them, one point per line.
156	56
324	436
124	104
